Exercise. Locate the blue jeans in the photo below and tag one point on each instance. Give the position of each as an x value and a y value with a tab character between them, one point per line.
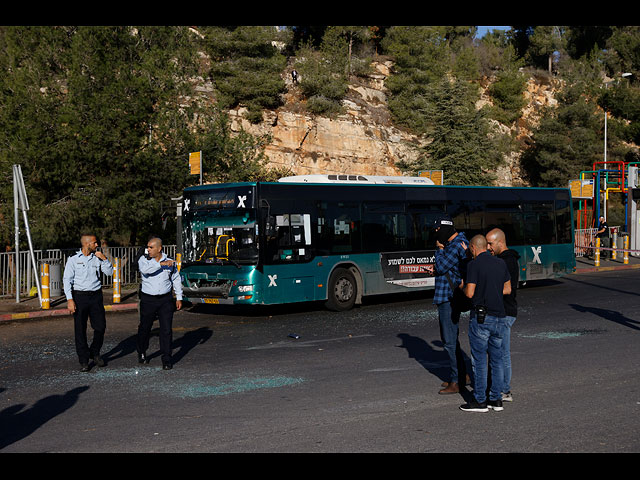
506	353
449	334
487	338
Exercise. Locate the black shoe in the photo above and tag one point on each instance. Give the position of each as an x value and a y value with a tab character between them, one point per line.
474	406
84	366
167	366
495	405
142	358
98	359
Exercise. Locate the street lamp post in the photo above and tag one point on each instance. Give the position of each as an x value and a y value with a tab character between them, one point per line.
606	112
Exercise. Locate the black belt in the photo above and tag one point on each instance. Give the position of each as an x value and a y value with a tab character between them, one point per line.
86	292
157	296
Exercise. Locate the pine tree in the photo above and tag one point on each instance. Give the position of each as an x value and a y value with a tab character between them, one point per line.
245	68
461	145
567	141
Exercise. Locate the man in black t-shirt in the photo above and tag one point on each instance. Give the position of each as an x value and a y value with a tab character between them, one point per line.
497	246
603	235
487	281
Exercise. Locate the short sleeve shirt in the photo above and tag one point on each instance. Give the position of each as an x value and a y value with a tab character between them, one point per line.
489	274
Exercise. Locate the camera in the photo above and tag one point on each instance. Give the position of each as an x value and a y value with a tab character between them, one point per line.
481	313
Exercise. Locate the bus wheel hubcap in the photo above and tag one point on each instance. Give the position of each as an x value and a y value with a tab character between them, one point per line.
343	290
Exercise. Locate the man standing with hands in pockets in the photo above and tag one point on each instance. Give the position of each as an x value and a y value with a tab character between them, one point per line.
159	276
83	289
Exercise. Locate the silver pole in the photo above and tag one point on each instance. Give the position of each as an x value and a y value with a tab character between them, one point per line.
17	232
24	204
606	174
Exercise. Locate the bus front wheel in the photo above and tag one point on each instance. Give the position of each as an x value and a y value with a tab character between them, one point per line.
342	290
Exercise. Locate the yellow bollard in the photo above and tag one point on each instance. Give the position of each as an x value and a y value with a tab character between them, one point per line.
597	252
116	281
179	260
626	250
44	282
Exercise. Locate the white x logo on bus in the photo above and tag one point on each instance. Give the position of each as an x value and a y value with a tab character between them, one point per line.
241	201
536	254
272	280
187	201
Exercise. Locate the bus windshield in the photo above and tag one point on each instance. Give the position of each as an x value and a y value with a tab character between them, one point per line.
221	237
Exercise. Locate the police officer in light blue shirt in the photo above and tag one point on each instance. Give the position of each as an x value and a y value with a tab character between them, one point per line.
159	277
83	289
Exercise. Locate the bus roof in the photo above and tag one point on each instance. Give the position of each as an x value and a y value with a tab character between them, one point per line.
357	179
339	179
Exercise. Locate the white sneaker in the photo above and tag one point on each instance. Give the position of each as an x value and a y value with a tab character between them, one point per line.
507	397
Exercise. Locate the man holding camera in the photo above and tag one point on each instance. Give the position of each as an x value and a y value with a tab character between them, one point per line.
450	254
487	281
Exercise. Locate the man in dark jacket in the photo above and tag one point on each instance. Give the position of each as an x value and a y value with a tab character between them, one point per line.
497	245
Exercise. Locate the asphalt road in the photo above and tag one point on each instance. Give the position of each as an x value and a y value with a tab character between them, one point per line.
361	381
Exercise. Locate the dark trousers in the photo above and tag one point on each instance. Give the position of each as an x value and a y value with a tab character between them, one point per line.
604	243
154	307
89	305
449	318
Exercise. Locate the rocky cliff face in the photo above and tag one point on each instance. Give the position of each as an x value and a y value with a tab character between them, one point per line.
363	140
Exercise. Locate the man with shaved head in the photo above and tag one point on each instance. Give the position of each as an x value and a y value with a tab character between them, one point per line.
83	289
159	277
497	245
487	281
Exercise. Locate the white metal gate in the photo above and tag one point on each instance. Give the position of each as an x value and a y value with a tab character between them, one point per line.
130	275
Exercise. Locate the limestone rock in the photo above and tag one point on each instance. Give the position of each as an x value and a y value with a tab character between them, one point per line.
364	140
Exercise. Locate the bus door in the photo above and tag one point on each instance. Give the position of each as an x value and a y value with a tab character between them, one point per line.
288	276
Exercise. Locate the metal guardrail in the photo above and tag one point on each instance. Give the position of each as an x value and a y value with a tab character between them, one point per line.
130	275
584	242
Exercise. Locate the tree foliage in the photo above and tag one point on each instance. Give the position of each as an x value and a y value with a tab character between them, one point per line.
102	119
461	146
245	67
567	142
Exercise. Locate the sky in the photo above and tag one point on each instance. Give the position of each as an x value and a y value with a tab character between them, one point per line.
483	30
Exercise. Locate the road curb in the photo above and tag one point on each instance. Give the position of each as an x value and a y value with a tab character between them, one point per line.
61	312
605	269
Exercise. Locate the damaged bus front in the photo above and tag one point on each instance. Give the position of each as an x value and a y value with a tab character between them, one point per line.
220	244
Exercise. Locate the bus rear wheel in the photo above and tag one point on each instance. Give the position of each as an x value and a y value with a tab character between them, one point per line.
342	290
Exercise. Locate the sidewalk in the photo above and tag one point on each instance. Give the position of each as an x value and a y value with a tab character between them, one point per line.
29	307
584	265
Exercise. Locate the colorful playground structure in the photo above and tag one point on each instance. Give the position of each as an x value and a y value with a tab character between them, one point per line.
591	193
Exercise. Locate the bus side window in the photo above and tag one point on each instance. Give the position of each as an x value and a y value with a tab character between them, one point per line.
563	221
290	238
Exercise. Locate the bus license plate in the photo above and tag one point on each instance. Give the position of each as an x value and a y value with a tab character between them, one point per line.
211	300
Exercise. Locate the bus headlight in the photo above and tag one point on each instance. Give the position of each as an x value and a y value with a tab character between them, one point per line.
245	288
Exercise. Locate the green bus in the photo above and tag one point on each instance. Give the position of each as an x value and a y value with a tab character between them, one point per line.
337	238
